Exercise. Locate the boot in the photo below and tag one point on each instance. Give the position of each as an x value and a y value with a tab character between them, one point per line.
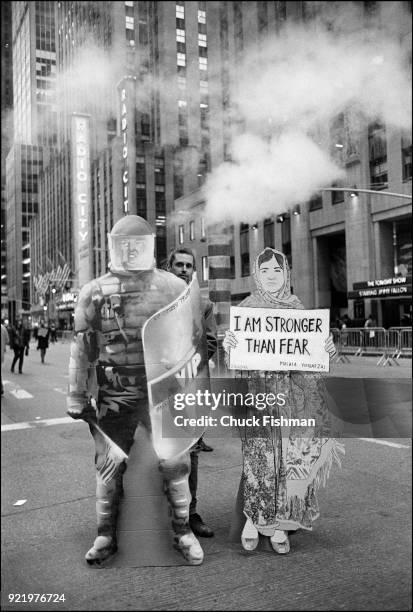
107	505
178	495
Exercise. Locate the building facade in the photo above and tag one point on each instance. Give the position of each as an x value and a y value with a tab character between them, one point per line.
154	82
349	253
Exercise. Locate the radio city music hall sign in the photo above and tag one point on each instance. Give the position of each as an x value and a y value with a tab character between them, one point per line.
124	134
81	192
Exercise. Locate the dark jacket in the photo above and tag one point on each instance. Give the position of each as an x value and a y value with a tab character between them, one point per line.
210	327
43	338
19	337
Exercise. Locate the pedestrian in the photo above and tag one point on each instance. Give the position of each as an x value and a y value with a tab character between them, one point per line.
182	263
4	342
369	334
107	364
346	322
35	328
19	343
282	469
370	322
42	340
53	332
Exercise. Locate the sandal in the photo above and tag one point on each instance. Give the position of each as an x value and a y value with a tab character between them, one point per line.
249	536
280	542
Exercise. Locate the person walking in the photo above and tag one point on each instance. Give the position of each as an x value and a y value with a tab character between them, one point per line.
181	262
4	342
19	343
53	332
42	340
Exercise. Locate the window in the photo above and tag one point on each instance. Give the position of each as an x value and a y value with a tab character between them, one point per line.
181	234
286	239
377	155
180	35
203	233
316	202
337	196
180	11
145	126
244	249
130	23
201	17
203	63
202	40
181	82
231	253
181	59
205	270
406	159
269	233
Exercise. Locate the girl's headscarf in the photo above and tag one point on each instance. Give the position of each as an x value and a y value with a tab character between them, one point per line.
282	298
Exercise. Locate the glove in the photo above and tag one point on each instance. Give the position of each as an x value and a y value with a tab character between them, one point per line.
80	408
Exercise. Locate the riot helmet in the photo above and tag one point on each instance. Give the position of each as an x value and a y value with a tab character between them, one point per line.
131	245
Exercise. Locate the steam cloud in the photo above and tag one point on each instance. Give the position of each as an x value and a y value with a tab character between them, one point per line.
298	80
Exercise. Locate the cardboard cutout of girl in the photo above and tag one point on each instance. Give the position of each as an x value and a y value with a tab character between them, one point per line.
283	467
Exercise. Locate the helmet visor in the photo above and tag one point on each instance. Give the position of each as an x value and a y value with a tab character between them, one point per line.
131	252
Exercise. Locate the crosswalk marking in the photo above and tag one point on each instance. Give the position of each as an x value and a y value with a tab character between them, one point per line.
21	394
40	423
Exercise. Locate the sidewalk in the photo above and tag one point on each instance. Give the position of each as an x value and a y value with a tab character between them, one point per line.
366	367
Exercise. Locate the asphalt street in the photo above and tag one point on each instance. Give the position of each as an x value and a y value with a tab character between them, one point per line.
358	557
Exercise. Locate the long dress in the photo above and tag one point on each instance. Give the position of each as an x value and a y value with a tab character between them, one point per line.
284	467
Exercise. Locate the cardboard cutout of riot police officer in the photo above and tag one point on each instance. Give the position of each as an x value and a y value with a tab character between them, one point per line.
107	363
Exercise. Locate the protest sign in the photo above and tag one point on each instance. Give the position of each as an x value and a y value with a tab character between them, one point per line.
277	340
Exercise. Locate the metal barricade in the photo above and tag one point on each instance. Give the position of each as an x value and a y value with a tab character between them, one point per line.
373	341
339	338
406	341
393	342
351	340
404	346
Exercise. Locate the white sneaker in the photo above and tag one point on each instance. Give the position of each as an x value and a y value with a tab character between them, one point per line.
249	536
280	542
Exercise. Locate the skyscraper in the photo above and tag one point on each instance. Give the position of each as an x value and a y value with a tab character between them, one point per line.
34	130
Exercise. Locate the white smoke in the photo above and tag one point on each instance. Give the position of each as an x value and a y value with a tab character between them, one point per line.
296	82
89	84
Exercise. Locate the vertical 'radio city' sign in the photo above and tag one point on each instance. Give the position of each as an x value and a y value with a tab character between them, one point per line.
81	195
124	134
126	88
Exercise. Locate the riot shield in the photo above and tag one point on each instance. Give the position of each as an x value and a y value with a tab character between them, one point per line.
176	362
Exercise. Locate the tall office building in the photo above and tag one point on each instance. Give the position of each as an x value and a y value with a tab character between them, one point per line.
349	253
34	133
6	137
137	72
